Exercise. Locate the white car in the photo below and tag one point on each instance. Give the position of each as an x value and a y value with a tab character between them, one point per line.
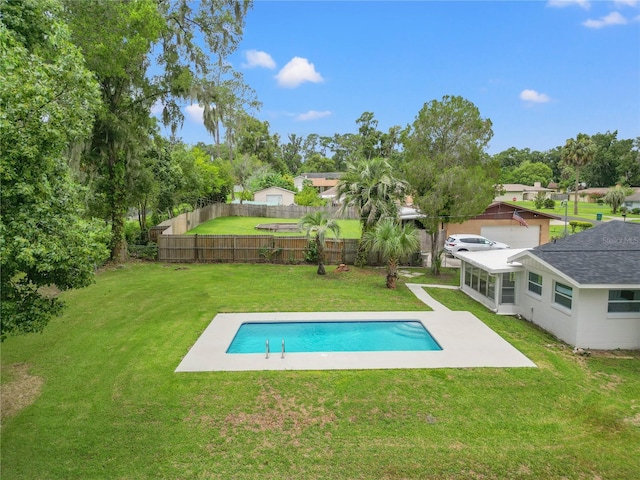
464	242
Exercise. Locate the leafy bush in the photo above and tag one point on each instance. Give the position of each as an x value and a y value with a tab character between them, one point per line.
550	203
579	225
636	211
143	252
311	253
539	200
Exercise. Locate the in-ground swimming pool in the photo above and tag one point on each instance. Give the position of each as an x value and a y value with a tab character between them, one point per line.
465	342
333	336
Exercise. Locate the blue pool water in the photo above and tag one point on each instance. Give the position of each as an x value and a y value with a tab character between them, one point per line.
354	336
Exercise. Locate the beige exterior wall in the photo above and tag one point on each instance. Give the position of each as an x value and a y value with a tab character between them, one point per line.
475	226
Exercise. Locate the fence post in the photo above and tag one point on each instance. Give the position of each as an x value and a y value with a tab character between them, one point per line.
195	248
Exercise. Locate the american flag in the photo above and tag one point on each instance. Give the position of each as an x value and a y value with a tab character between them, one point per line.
516	216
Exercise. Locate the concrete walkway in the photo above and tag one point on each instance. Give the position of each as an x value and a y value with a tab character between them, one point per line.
418	290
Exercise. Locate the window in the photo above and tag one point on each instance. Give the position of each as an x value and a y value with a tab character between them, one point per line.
562	295
467	274
508	290
535	283
623	301
491	287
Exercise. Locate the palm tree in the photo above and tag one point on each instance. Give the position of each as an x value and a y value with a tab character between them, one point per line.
393	241
370	187
578	153
318	223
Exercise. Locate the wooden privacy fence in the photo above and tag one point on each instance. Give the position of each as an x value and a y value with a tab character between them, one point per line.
249	249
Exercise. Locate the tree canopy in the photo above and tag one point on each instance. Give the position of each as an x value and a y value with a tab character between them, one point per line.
450	176
47	101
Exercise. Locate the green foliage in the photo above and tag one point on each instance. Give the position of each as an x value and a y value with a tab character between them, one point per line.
148	251
615	198
47	99
189	42
578	225
393	241
318	224
309	196
451	177
529	173
318	163
549	203
577	153
372	188
539	200
266	178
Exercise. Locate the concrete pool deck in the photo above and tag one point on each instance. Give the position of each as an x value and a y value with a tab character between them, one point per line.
465	340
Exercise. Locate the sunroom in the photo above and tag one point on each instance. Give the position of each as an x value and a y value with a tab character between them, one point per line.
490	279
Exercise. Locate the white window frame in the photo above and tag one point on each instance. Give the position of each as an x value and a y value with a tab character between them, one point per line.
531	283
562	295
634	302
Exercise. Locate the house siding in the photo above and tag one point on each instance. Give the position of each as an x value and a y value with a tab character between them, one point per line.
542	310
600	330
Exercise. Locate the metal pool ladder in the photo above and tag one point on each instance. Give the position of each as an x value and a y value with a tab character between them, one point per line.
267	351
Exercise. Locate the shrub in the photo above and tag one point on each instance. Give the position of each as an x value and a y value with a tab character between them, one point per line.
539	200
579	225
143	252
550	203
636	211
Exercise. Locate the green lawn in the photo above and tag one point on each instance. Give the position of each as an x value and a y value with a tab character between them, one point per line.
109	405
585	210
246	226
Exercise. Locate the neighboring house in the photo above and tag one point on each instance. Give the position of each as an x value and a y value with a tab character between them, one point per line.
632	201
321	181
275	196
516	192
497	223
554	187
584	289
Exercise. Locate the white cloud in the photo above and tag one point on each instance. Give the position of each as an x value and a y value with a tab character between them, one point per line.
614	18
297	71
534	97
312	115
567	3
194	112
626	3
256	58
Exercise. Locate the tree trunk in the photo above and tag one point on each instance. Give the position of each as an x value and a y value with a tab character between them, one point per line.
117	205
320	251
435	261
392	274
575	203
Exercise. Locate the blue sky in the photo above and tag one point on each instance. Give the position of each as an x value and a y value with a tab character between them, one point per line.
542	71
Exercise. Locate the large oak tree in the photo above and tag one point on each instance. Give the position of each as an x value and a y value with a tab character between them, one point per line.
449	173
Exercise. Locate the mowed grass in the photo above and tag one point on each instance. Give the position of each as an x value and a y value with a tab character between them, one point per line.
111	406
247	226
585	210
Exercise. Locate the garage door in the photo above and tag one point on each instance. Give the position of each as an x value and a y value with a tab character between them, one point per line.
515	236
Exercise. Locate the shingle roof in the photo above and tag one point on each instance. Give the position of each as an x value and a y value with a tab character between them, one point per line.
608	253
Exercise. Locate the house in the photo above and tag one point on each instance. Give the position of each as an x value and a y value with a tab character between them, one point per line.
321	181
584	289
632	201
516	192
516	226
274	196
